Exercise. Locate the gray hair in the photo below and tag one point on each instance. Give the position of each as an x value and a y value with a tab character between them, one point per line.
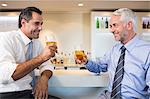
126	16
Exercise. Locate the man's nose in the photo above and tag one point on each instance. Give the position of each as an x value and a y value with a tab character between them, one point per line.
40	27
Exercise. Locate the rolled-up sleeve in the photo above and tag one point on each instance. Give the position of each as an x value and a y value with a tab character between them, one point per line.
6	71
7	61
46	66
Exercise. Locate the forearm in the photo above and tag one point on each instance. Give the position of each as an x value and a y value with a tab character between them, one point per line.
47	74
41	88
26	67
95	67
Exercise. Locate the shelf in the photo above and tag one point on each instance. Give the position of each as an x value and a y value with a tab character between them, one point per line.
145	30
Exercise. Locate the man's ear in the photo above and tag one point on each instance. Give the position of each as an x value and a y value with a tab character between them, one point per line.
130	25
23	22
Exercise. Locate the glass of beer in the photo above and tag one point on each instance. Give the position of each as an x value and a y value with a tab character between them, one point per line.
50	40
79	54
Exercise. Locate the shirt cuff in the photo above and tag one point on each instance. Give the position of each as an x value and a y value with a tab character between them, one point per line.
7	72
46	66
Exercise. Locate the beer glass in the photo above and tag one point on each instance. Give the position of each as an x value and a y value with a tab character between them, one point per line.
50	40
79	54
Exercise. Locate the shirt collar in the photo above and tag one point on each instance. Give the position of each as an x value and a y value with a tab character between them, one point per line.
132	43
25	39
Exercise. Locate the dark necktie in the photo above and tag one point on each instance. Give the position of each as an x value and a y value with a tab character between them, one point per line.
29	55
116	89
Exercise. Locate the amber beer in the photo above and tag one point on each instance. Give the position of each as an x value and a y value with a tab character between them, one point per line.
51	43
79	54
50	40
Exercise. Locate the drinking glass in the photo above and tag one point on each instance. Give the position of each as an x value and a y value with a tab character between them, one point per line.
79	52
50	40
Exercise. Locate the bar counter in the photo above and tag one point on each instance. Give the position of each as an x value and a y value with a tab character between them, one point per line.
77	84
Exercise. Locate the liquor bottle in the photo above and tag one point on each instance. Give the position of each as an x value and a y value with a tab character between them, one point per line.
97	23
106	23
143	25
61	58
89	55
65	59
102	23
148	25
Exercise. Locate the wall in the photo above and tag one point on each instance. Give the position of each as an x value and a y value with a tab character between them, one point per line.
70	29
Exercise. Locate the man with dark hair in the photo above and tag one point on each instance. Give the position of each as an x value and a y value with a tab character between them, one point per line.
27	14
21	54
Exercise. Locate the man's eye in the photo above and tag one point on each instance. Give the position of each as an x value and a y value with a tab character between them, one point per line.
42	23
114	25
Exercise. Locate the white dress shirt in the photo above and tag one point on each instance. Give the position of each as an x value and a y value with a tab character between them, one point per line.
13	47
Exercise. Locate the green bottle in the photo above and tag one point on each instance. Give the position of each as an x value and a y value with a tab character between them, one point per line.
97	23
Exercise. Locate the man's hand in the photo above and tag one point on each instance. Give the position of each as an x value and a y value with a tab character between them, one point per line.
49	52
41	88
84	60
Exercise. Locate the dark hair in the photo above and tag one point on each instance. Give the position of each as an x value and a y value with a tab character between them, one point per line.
27	14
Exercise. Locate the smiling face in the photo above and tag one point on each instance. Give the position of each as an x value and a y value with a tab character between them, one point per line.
119	29
32	27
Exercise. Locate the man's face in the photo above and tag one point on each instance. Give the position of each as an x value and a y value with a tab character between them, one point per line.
34	26
118	28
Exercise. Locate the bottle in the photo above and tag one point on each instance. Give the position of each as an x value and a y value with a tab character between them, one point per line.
106	23
89	55
61	58
102	23
143	25
148	25
97	23
65	59
70	59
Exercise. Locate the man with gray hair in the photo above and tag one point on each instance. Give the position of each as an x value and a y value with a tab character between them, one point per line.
128	62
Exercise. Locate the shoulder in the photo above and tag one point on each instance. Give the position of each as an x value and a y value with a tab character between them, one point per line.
145	45
9	38
8	34
142	48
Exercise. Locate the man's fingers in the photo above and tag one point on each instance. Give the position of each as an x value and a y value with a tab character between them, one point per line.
78	61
